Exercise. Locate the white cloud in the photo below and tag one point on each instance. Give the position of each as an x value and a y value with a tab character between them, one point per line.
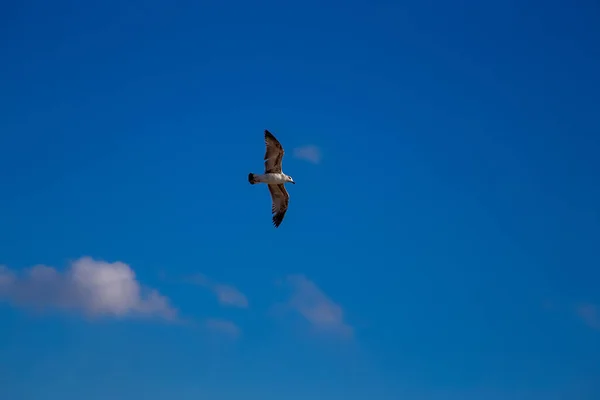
308	153
590	314
319	310
226	294
223	326
230	296
91	287
6	277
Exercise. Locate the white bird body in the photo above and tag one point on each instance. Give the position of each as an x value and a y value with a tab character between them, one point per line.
274	178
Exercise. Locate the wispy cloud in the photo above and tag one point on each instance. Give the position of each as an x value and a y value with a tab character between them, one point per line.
92	287
320	311
590	314
223	326
308	153
226	294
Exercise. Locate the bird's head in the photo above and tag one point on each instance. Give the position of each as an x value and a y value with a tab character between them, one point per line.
289	179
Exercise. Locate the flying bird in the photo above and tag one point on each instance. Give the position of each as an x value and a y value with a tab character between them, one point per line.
274	178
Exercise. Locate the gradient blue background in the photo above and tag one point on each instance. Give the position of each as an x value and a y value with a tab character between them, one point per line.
454	217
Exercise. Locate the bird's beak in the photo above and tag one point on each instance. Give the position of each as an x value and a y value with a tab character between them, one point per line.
293	182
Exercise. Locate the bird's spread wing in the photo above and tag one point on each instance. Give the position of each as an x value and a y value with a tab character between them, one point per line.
273	155
280	199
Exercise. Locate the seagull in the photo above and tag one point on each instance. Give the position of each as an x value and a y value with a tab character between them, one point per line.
274	178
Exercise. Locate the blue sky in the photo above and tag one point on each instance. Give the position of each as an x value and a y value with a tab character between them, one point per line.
442	237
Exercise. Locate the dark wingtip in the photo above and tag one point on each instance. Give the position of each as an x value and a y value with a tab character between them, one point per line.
269	137
277	219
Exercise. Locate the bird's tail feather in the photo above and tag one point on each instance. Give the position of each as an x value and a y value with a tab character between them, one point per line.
251	178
